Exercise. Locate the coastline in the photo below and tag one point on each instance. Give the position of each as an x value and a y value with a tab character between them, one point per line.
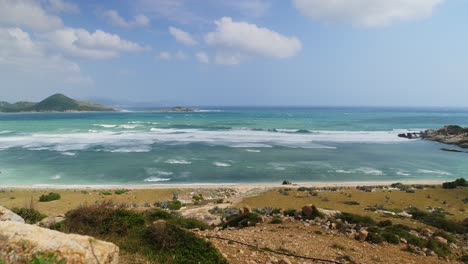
237	186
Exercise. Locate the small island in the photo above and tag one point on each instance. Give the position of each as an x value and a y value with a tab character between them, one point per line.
452	134
54	103
179	109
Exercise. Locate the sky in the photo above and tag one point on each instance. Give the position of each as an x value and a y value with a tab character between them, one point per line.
237	53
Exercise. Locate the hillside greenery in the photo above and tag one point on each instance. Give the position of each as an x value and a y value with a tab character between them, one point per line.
54	103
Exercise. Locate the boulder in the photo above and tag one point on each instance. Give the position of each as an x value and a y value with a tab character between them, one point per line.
20	242
307	210
363	235
50	221
441	240
247	210
329	213
404	214
7	215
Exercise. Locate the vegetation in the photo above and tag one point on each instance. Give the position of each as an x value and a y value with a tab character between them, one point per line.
121	191
452	185
52	196
46	259
158	235
30	216
171	205
276	220
357	219
56	102
242	220
437	218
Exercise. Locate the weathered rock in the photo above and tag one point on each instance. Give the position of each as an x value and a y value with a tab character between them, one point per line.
7	215
20	242
50	221
329	213
404	214
427	232
441	240
307	210
363	235
247	210
454	135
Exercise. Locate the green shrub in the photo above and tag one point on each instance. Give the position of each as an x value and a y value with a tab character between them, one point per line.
374	238
318	232
351	203
315	213
165	241
171	205
464	258
402	231
391	238
440	249
452	185
121	191
105	193
46	259
384	223
290	212
357	219
275	211
242	220
276	220
49	197
30	216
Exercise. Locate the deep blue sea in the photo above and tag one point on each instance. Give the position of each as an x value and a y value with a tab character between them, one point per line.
226	145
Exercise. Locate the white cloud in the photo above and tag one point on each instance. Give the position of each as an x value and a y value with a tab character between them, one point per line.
182	36
202	57
98	45
226	58
164	55
367	13
20	53
113	17
251	39
63	6
180	55
27	13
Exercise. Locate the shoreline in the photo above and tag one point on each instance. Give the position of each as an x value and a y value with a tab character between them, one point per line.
238	186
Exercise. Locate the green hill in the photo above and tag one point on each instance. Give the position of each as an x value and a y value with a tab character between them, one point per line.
54	103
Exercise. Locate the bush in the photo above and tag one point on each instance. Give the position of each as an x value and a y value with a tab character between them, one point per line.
242	220
166	241
385	223
391	238
276	220
402	231
315	213
121	191
351	203
30	216
452	185
290	212
46	259
357	219
105	193
171	205
374	238
440	249
49	197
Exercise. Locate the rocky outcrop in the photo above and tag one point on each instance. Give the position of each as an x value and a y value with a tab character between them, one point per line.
179	109
20	242
7	215
454	135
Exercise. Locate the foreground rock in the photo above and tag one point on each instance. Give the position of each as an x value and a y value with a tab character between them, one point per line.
7	215
20	242
454	135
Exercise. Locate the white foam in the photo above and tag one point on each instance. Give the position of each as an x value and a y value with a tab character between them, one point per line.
176	161
440	172
68	153
156	179
56	177
105	125
253	150
142	141
403	173
364	170
155	171
129	126
221	164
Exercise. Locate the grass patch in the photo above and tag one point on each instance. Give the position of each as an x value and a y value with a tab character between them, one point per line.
352	203
121	191
357	219
52	196
164	241
46	259
276	220
105	193
30	216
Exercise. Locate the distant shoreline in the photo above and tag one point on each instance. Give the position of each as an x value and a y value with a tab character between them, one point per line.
239	186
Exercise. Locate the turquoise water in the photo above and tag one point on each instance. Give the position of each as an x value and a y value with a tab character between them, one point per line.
226	145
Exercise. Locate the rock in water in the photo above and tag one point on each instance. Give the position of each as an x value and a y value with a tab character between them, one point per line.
7	215
20	242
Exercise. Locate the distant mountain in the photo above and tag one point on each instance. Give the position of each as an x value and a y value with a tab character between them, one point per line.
54	103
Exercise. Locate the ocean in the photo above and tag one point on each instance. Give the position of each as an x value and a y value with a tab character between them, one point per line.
226	145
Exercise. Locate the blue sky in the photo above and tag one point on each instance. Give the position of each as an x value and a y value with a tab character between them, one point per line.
244	52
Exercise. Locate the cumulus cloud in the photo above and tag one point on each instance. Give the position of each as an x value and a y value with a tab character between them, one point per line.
202	57
79	42
164	55
182	36
367	13
27	13
63	6
251	39
113	17
18	51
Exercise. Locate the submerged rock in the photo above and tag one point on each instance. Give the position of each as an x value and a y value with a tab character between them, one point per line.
7	215
20	242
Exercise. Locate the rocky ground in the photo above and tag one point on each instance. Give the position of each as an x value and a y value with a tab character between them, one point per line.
453	135
304	239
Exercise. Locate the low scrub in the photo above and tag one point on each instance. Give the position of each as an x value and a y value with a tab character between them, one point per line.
49	197
242	220
30	216
158	235
452	185
357	219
